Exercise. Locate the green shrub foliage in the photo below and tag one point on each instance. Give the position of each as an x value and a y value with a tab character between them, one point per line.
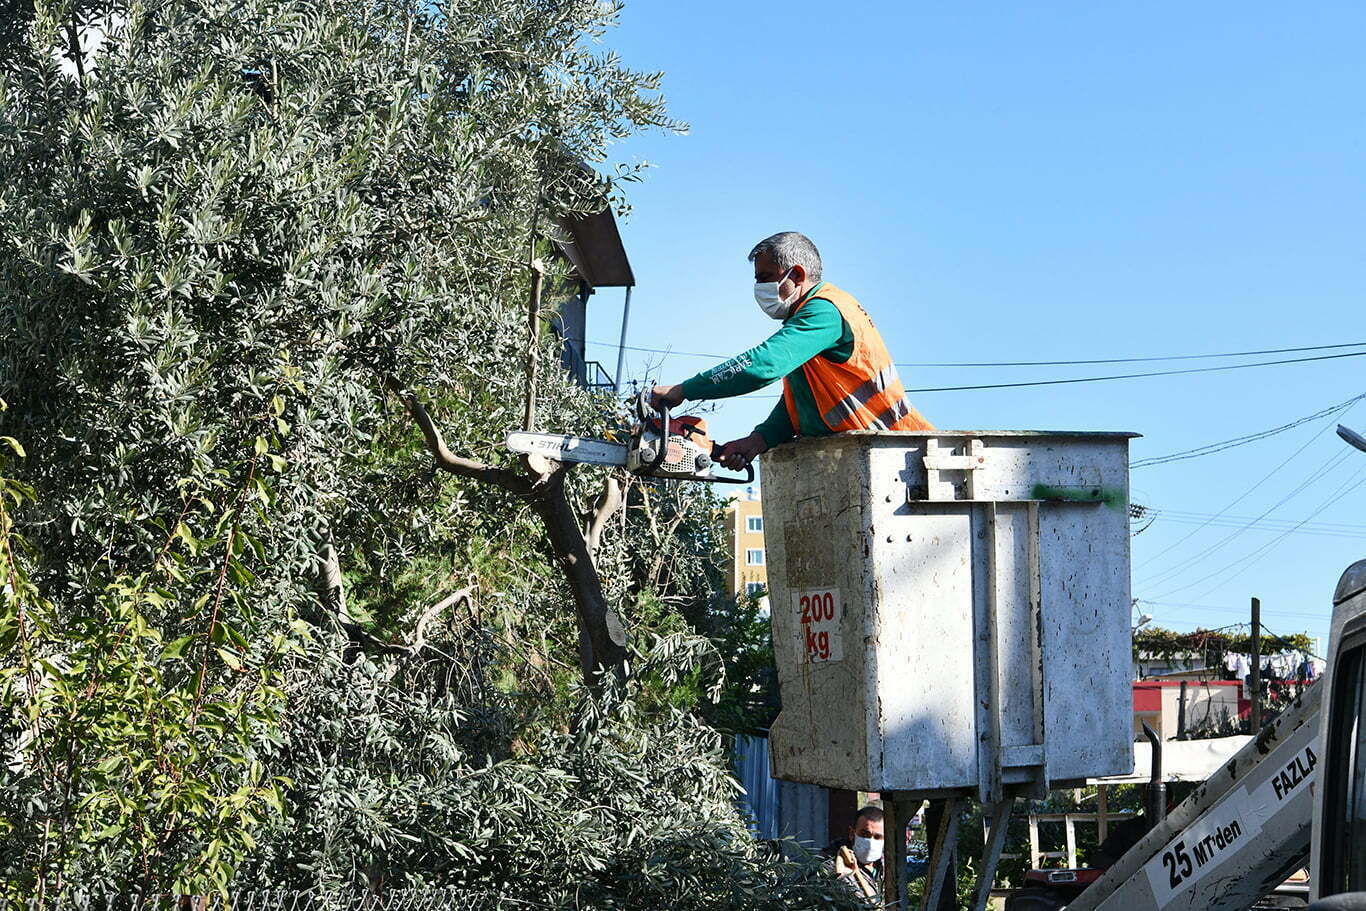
225	229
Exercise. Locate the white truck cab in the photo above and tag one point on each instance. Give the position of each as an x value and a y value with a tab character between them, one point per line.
1338	862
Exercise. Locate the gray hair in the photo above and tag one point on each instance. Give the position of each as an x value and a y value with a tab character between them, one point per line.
788	249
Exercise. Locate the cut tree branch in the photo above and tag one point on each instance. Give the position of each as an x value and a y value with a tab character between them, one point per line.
602	638
448	461
652	577
609	501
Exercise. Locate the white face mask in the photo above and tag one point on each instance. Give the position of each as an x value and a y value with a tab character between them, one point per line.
867	850
767	297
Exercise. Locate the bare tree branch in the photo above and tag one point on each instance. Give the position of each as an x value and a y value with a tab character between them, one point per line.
602	637
609	501
448	461
419	632
652	577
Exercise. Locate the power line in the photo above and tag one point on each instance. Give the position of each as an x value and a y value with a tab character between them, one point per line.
1346	487
1134	376
1351	484
1345	527
1172	572
1326	529
1243	496
1072	363
1136	360
1286	645
1165	576
1313	532
1227	608
1101	379
1211	448
1092	379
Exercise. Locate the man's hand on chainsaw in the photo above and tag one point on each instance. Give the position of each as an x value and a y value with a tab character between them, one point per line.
666	395
736	454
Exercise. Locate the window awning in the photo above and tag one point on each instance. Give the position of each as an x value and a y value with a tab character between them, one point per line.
594	247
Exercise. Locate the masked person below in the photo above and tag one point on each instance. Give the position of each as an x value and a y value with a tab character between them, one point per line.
836	372
857	861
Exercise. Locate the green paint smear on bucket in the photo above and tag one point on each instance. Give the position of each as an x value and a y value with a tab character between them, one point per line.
1112	497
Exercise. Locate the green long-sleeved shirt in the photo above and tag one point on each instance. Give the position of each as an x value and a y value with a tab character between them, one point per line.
817	330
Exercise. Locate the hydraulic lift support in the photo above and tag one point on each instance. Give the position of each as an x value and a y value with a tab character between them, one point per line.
1236	838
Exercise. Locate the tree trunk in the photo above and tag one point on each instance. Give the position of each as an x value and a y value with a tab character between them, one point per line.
602	638
605	634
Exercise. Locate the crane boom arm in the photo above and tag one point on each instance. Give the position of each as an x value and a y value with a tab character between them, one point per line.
1237	837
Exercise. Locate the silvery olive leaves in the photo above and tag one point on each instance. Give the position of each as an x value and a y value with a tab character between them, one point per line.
224	226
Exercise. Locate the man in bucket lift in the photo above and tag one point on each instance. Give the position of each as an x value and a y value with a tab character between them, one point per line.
836	372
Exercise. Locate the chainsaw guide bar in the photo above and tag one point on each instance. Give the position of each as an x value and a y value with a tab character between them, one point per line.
659	447
563	448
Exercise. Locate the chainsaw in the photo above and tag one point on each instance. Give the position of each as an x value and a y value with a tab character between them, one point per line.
659	447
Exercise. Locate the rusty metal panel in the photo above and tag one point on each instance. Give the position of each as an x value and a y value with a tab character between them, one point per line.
950	609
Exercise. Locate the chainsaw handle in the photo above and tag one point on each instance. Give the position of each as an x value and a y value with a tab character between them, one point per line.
749	469
643	408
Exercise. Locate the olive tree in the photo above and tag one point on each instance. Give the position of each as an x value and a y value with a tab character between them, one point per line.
235	224
263	265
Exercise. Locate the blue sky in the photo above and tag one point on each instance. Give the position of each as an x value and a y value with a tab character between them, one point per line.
1044	181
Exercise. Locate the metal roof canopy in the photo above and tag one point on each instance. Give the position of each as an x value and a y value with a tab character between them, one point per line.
1182	760
596	251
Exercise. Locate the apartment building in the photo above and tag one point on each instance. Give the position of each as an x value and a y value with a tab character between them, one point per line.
748	571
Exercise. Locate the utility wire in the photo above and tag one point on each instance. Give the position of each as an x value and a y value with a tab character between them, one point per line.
1352	483
1266	630
1228	608
1284	642
1329	529
1137	360
1110	360
1243	496
1133	376
1211	448
1101	379
1165	576
1345	527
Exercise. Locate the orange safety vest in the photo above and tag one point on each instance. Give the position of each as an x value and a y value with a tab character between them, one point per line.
863	393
